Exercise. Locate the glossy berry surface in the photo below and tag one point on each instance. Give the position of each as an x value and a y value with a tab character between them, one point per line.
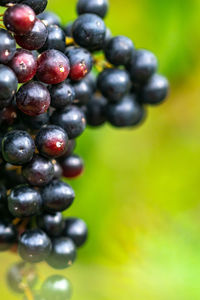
39	171
96	111
55	39
72	166
53	67
33	98
37	5
24	201
114	84
57	169
142	66
8	83
51	141
50	18
24	64
155	91
57	196
128	112
8	235
71	145
80	62
19	18
62	94
71	119
34	39
34	245
56	287
76	229
17	147
89	31
83	92
68	29
8	116
52	224
63	253
7	46
119	50
35	122
98	7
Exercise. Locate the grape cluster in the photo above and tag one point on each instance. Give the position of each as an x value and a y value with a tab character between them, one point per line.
58	80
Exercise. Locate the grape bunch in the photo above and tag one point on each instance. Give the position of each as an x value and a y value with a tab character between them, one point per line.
55	80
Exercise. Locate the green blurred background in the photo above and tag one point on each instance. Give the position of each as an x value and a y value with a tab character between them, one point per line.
140	191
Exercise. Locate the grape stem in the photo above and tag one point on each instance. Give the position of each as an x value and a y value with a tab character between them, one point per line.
69	41
28	293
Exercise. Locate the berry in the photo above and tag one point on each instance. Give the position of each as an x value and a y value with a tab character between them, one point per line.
57	196
37	5
71	119
114	84
89	32
119	50
142	66
91	81
63	253
70	148
36	122
7	46
5	103
8	235
72	166
57	170
155	90
13	178
6	2
8	116
80	62
8	84
24	201
55	39
49	18
33	98
83	92
24	65
96	111
51	141
108	37
52	224
34	246
98	7
76	230
128	112
34	39
19	19
68	29
39	171
56	287
20	272
3	198
53	67
17	147
62	94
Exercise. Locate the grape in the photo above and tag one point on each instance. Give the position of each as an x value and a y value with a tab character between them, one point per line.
19	18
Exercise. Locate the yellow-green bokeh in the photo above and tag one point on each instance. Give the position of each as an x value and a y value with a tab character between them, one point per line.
140	190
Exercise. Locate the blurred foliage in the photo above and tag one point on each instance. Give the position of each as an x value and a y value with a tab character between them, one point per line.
140	190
